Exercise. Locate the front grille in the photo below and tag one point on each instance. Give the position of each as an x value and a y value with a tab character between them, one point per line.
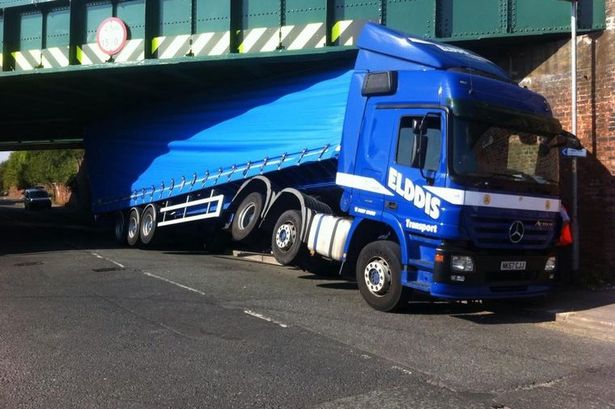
509	289
492	231
510	276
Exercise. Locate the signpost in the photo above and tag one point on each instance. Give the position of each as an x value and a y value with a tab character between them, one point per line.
575	198
574	153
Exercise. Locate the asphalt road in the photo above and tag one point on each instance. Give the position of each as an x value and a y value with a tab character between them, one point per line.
85	324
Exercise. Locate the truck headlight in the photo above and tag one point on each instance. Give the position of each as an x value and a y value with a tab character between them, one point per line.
551	264
462	263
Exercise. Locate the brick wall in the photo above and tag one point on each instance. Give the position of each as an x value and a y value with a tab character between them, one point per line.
544	66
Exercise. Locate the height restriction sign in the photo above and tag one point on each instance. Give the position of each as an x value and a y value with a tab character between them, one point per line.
111	35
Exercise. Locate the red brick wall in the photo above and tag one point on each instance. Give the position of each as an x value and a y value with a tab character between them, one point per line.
544	66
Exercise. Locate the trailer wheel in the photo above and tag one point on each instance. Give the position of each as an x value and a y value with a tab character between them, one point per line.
379	276
147	227
286	239
247	216
134	222
119	229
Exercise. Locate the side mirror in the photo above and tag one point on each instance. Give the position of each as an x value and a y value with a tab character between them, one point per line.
572	141
568	140
416	126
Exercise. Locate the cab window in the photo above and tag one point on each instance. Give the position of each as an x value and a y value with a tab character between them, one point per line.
408	144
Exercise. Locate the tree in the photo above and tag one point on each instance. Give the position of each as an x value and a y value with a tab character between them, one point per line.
13	171
2	170
52	168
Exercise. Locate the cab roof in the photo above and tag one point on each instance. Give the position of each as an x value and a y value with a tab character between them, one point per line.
419	53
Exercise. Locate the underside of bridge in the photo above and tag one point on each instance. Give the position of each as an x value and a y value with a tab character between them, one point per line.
55	79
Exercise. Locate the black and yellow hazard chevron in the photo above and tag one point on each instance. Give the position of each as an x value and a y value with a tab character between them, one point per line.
27	59
134	50
291	37
53	57
346	32
198	44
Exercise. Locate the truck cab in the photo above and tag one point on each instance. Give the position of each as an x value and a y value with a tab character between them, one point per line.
458	162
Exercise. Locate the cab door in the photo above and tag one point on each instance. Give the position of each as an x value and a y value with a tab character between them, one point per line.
371	165
415	164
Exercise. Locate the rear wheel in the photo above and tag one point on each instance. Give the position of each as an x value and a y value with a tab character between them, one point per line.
134	222
379	276
286	242
247	216
119	229
148	224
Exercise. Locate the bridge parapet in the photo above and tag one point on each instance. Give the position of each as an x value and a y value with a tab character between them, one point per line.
57	34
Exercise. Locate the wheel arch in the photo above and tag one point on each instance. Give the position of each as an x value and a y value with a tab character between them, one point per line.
291	198
261	184
364	231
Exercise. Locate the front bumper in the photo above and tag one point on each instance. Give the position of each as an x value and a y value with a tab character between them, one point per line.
488	279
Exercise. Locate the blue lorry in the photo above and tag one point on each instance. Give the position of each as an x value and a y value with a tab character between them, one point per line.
423	167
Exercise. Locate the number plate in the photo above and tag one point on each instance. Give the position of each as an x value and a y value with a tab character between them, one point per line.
512	265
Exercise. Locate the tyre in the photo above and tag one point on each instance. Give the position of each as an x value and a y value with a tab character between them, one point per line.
247	216
147	227
286	242
379	276
134	223
119	228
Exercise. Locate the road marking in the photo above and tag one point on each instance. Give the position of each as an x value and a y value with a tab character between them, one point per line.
399	368
262	317
107	259
194	290
185	287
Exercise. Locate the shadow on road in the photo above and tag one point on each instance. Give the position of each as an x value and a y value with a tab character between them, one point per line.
58	229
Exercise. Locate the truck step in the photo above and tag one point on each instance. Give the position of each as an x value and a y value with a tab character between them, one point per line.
257	257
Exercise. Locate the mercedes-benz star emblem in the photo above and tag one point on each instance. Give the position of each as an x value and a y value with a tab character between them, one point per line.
516	231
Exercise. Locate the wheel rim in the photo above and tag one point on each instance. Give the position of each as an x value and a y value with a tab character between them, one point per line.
148	224
133	227
285	236
377	276
246	216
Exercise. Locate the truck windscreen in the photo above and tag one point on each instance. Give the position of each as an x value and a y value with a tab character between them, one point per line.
486	152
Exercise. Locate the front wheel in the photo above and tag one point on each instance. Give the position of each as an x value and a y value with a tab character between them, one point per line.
286	242
379	276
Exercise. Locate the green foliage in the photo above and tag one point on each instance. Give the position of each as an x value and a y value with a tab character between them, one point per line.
25	169
2	170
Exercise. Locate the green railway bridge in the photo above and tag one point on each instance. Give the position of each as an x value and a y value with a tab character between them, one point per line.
56	75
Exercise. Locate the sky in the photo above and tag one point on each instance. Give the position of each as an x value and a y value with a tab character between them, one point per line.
4	156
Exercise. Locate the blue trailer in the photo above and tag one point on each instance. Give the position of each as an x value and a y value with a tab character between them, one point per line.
423	167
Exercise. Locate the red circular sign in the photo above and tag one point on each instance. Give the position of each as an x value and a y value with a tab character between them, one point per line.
111	35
